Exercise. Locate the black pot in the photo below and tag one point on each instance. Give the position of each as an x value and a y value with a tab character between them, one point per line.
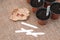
36	4
41	14
55	8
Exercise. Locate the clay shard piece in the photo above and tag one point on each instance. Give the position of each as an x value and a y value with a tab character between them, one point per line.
20	14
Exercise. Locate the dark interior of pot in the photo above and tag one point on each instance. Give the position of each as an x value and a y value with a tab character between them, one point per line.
36	3
55	8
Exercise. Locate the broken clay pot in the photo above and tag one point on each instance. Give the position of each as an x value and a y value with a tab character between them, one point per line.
20	14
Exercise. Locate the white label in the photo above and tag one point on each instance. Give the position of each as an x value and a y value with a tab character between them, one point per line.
38	0
48	9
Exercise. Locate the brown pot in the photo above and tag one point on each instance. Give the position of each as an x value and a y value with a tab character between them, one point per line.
55	16
28	1
42	22
34	9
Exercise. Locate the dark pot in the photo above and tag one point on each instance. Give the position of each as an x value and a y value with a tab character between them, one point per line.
41	15
55	10
36	4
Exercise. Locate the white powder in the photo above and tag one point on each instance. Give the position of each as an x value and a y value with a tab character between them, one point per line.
29	32
28	25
